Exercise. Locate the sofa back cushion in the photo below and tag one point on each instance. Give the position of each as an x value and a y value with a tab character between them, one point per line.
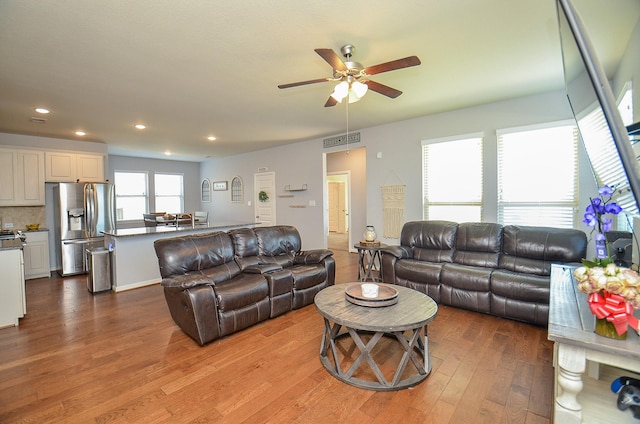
278	240
181	255
245	242
432	241
478	244
532	250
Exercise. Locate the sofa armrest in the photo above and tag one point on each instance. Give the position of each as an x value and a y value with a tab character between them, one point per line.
185	281
312	256
262	268
400	252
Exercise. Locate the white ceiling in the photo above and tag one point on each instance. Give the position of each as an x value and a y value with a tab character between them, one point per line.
192	68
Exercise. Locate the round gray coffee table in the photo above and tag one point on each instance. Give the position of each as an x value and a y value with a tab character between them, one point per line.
405	323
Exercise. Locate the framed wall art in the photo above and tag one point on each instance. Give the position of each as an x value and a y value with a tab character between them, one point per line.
220	186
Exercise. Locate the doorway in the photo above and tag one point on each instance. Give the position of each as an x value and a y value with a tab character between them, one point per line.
347	167
338	211
265	205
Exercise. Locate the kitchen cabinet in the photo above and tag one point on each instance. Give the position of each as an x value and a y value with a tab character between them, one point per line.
21	177
71	167
36	255
13	303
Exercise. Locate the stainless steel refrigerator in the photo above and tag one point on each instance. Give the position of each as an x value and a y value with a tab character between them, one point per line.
83	212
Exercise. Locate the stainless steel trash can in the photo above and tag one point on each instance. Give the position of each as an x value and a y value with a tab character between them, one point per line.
99	268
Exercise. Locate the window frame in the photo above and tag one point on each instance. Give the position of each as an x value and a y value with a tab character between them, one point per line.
536	206
145	195
426	203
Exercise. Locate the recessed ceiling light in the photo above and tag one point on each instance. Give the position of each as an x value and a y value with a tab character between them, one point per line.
80	133
42	110
140	126
167	153
211	138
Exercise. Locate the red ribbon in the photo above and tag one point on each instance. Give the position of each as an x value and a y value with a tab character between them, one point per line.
615	309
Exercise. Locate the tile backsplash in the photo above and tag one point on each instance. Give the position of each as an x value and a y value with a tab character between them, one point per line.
20	216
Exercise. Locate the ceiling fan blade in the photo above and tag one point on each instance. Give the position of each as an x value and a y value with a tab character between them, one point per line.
296	84
393	65
331	102
332	59
385	90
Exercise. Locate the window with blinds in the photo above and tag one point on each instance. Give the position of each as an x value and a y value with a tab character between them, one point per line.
605	160
538	176
447	195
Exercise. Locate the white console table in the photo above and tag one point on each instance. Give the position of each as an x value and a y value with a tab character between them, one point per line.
578	350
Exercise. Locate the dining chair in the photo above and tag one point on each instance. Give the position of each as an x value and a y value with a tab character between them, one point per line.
150	220
201	217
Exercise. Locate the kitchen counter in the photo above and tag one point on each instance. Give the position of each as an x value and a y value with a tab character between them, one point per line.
13	303
175	231
134	261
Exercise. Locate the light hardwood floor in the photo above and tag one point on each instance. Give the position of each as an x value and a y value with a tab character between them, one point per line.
119	358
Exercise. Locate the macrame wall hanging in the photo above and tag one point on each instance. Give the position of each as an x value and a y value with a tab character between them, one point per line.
392	209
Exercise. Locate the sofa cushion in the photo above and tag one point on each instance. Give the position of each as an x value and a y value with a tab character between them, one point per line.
181	255
478	244
532	250
240	291
527	287
278	240
305	276
419	275
245	242
432	241
466	287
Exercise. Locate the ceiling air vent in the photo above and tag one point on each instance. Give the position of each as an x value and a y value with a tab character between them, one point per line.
340	140
37	120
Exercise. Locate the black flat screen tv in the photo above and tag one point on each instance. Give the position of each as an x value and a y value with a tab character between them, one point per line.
594	107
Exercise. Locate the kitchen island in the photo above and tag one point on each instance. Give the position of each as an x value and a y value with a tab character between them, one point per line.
13	303
133	258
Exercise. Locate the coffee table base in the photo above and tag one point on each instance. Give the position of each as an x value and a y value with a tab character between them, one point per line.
414	343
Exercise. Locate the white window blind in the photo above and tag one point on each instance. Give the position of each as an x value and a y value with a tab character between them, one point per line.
131	195
169	192
452	179
605	159
538	176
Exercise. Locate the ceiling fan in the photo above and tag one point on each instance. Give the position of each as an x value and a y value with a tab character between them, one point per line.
353	77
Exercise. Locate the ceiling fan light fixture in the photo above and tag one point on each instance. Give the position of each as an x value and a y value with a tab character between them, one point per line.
340	91
359	88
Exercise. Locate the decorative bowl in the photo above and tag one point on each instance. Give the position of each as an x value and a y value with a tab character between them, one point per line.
32	227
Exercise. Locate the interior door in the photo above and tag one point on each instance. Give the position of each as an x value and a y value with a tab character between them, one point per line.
265	210
337	208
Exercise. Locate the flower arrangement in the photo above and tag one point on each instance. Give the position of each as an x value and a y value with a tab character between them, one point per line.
613	294
595	216
613	291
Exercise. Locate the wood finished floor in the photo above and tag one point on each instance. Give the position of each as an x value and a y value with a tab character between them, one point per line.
119	358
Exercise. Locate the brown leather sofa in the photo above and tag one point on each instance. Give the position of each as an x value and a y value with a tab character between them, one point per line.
483	267
218	283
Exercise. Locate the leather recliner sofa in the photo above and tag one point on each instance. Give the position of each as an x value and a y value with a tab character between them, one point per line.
483	267
219	283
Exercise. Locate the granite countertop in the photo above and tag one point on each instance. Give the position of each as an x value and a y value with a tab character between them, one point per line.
169	229
24	230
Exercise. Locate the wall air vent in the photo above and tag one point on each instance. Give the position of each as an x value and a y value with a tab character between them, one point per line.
37	120
340	140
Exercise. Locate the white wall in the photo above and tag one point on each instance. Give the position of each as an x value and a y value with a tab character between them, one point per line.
400	147
294	164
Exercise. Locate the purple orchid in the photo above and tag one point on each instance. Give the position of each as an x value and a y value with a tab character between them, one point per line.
595	217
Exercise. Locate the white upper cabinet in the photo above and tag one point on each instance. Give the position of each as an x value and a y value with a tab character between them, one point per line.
21	177
71	167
